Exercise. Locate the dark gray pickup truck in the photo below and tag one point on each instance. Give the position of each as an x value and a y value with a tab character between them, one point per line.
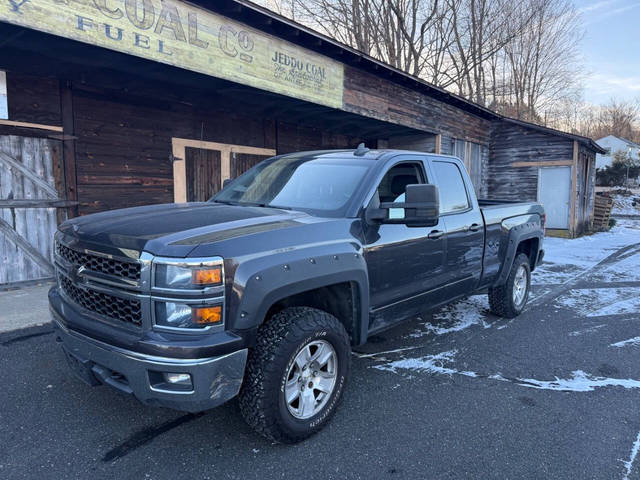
261	291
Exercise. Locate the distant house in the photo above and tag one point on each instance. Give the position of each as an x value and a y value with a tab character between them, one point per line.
613	144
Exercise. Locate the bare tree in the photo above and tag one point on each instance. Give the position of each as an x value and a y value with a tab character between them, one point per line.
520	58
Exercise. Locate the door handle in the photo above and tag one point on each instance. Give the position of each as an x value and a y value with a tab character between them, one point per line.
434	234
474	227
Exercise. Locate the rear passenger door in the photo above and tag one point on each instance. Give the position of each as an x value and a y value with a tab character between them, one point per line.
464	226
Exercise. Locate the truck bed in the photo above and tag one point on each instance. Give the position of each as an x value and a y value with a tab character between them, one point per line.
500	216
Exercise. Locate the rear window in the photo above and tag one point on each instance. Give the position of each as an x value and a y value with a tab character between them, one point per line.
453	193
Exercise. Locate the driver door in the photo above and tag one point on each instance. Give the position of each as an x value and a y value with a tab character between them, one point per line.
404	263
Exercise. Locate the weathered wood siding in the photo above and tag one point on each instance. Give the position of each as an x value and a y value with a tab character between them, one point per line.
377	97
26	234
420	143
585	190
513	143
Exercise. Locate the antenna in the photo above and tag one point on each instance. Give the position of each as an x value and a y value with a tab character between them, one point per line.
361	150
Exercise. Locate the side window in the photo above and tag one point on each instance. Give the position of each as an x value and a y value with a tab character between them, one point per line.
453	193
394	183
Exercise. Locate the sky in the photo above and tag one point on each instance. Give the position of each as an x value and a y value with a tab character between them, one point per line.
611	49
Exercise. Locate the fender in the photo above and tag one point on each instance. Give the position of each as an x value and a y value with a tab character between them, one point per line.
518	232
261	282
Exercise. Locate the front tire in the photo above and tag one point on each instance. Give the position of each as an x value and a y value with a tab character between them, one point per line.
295	374
508	300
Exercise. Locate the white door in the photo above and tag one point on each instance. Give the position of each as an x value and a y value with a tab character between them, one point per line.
554	193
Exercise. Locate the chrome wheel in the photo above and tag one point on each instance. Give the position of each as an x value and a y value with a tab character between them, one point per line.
311	379
520	286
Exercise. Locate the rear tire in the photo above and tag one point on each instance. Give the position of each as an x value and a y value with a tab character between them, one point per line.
508	300
287	342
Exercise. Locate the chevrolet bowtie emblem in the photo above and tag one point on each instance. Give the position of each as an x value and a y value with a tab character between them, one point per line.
76	273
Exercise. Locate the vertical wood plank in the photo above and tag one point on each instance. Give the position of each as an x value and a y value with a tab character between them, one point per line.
69	145
574	183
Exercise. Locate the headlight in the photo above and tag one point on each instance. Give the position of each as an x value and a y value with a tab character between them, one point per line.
191	278
181	315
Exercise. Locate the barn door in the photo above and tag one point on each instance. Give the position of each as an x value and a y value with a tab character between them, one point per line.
28	201
200	167
554	193
241	162
203	173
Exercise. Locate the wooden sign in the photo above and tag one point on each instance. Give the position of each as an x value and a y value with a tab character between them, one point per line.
189	37
4	109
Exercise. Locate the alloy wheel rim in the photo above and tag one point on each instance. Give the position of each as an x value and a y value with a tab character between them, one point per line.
520	286
311	379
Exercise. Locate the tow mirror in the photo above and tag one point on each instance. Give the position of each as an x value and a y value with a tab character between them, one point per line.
421	208
422	205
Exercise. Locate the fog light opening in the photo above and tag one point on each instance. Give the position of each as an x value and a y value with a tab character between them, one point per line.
178	378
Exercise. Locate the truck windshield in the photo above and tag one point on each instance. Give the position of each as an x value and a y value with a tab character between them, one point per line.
324	185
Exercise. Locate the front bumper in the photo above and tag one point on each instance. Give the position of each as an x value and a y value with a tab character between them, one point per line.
214	380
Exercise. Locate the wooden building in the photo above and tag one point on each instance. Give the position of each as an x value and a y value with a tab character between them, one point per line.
107	104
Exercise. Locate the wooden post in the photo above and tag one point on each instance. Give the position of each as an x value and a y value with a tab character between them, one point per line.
438	143
69	146
574	184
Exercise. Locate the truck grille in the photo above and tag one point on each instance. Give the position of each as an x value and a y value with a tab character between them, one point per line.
96	263
122	309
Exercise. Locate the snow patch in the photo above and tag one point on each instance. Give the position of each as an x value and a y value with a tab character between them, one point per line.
624	205
584	331
427	364
566	259
597	302
631	342
457	316
437	364
628	465
579	382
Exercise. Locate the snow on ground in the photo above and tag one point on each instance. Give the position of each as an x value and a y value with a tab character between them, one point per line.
635	341
565	259
595	328
628	465
456	316
624	205
426	364
437	365
598	302
579	382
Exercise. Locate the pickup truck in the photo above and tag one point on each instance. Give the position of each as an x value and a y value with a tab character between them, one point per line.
262	291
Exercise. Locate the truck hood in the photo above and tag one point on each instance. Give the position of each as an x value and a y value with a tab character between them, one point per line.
175	229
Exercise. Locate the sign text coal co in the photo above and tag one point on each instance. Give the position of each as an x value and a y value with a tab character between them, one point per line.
189	37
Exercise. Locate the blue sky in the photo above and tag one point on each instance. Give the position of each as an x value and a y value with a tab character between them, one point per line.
611	49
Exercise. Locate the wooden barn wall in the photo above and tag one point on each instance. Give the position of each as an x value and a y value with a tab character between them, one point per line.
585	189
124	145
373	96
420	143
513	143
295	138
32	99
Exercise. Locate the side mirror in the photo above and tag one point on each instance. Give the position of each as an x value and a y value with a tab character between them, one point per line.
422	205
226	182
421	208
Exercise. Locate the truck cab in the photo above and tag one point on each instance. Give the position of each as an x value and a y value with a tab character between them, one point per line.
262	291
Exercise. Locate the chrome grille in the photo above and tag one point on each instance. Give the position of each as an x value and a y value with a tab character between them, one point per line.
96	263
122	309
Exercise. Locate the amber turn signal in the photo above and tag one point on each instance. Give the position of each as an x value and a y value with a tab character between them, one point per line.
206	315
207	276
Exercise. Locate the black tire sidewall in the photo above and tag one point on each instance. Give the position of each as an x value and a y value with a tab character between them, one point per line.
294	426
520	260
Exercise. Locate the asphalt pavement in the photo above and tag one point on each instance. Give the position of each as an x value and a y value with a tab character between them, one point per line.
457	393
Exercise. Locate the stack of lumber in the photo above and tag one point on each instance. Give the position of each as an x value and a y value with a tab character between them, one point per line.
601	212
